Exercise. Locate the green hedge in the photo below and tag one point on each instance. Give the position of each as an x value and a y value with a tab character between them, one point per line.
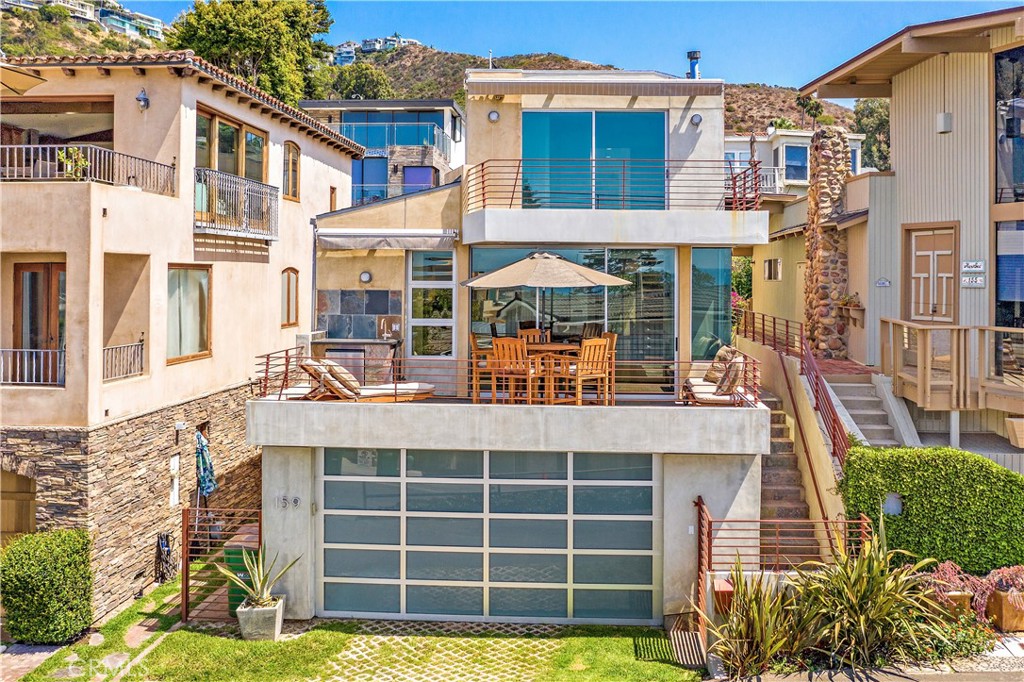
957	505
47	586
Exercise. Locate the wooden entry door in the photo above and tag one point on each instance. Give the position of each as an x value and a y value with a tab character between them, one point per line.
17	506
39	299
930	282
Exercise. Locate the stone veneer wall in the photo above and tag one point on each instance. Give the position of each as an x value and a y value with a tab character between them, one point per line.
825	246
115	480
412	155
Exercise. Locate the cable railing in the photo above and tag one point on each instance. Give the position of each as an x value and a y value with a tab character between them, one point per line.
83	163
32	367
613	184
121	362
382	135
231	205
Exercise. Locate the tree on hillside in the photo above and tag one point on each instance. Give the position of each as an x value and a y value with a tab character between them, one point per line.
54	14
782	123
809	106
871	117
363	81
271	44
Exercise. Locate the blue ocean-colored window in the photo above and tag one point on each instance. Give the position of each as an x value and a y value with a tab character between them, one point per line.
710	301
796	162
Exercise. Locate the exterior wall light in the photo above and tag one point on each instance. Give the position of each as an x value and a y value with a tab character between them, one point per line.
493	116
143	99
696	119
365	277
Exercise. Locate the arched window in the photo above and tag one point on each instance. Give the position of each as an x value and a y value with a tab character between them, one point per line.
290	183
289	297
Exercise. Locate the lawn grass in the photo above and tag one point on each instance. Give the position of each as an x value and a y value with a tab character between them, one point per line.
113	631
586	653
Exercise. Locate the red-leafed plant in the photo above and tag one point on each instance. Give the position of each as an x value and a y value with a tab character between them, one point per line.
949	577
1010	580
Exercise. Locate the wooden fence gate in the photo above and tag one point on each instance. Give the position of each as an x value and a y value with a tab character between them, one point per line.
209	537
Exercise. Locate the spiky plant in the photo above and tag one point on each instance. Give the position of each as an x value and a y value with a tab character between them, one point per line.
261	577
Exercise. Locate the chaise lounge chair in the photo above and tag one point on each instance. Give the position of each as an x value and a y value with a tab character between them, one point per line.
331	381
720	385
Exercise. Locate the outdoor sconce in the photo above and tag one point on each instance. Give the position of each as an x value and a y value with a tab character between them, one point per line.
365	277
696	119
493	116
143	99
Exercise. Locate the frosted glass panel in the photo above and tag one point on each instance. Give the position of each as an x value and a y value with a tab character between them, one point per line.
444	566
360	462
544	465
612	534
528	499
445	532
463	601
362	530
356	597
597	466
538	533
444	464
528	568
360	495
444	497
606	570
361	563
540	603
611	499
612	604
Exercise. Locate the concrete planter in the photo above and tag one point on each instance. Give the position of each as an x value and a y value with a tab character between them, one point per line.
261	622
961	603
1005	615
1015	431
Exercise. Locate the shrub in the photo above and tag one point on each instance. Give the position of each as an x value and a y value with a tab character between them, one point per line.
964	637
957	506
54	14
47	586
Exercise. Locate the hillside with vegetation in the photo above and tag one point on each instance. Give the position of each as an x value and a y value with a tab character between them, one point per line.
27	33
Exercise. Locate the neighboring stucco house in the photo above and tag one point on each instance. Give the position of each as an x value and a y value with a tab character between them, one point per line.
447	509
156	238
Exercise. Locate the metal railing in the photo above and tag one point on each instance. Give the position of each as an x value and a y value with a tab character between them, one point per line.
383	135
83	163
33	367
777	333
234	206
834	427
540	379
368	194
121	362
929	364
637	184
214	536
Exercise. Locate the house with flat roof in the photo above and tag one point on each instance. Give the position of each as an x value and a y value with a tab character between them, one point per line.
461	472
155	238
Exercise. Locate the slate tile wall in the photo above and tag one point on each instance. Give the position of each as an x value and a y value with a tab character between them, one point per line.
352	313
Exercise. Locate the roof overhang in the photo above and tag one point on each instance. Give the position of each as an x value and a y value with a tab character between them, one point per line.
375	238
500	82
870	73
849	219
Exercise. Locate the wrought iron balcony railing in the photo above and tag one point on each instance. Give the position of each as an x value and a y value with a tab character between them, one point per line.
83	163
234	206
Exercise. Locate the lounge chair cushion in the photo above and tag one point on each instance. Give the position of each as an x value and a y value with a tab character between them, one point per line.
719	364
703	393
321	372
343	376
731	378
403	389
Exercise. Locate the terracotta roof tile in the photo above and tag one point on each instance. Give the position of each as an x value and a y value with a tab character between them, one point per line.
188	58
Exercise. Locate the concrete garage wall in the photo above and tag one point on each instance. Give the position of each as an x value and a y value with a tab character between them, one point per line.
289	475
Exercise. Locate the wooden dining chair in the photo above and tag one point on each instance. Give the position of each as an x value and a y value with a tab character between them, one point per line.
513	365
482	362
613	340
592	330
572	373
534	335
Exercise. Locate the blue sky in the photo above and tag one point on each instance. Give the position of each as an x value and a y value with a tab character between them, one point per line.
764	42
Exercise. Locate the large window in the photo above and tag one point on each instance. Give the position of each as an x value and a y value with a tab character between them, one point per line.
289	297
1010	274
641	313
432	300
417	178
796	162
369	180
231	147
710	301
290	182
188	312
1009	124
584	159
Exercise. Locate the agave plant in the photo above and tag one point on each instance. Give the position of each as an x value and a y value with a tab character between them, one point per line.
868	605
261	577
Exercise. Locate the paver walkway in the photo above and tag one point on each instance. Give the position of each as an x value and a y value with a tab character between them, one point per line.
19	660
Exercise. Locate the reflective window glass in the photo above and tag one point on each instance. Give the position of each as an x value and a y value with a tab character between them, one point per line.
361	462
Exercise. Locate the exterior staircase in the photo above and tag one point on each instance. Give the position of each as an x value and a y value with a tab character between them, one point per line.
783	499
858	396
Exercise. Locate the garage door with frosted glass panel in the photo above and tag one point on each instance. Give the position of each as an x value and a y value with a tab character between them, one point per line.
492	535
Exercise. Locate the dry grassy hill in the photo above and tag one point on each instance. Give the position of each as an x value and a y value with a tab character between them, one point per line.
750	106
25	33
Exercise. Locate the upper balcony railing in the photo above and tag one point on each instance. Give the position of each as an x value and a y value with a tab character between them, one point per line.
231	205
121	362
615	184
32	367
772	179
383	135
85	163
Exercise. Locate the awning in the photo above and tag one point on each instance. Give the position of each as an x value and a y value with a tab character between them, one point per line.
369	238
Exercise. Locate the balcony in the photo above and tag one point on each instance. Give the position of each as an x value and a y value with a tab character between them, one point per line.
122	362
1001	376
384	135
83	163
233	206
627	201
32	367
772	180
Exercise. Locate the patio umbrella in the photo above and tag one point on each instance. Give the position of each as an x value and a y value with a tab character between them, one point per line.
16	81
543	270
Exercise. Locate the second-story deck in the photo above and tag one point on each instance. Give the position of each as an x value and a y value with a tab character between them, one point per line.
234	206
83	163
383	135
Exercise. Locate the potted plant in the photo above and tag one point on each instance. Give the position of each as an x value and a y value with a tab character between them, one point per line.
1006	604
958	591
74	162
850	304
261	614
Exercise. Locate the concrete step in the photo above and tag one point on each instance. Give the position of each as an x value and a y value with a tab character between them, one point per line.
885	443
861	390
865	417
772	403
877	432
846	378
780	509
779	460
780	431
782	446
794	493
778	417
791	533
862	403
782	475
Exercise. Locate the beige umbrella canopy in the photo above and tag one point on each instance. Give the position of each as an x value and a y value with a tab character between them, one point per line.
16	81
544	271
